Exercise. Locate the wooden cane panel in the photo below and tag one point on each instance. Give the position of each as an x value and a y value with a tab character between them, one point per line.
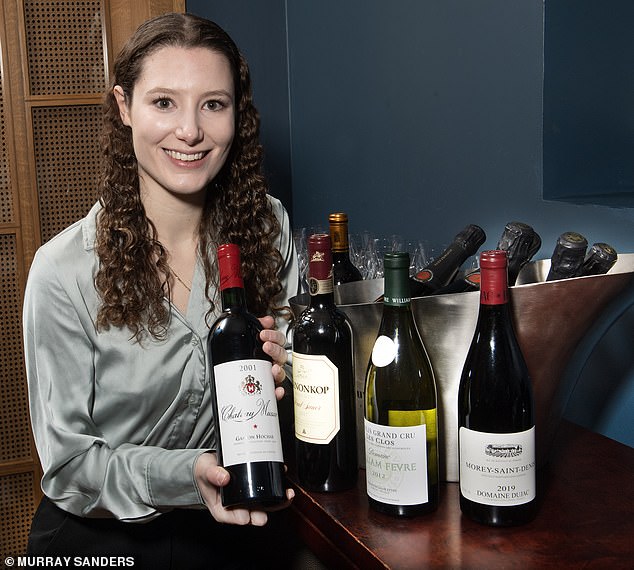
67	163
17	505
6	198
65	46
14	417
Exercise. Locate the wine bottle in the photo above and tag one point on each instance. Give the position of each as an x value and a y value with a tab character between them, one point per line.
324	382
599	260
400	424
496	429
444	268
344	271
249	443
520	241
441	271
568	256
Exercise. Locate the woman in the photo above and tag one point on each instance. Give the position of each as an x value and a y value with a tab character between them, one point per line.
118	307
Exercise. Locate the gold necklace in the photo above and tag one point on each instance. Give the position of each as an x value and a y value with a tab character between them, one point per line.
178	278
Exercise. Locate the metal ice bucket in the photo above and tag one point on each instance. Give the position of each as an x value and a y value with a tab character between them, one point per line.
550	320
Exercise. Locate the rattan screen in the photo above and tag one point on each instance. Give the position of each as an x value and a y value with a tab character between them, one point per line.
17	506
67	163
14	419
6	200
65	46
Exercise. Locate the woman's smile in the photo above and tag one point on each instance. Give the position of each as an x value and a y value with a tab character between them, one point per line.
185	157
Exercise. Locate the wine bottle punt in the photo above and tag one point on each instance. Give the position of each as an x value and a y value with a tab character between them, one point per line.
249	443
568	256
344	271
400	424
496	429
324	383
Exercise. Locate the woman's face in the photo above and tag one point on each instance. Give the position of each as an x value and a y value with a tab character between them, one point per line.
182	118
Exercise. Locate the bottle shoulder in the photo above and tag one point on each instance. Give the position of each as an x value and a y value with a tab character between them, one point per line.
235	322
322	314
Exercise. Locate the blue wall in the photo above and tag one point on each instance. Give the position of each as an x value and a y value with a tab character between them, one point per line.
418	117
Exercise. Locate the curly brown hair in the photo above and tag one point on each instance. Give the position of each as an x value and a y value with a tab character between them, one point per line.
133	275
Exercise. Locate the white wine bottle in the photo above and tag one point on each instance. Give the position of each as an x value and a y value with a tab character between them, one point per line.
496	429
401	438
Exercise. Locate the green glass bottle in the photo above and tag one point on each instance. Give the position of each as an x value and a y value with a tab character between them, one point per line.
401	438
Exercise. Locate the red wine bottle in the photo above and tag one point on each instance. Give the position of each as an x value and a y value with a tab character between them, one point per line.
444	268
243	396
344	271
599	260
496	428
568	256
324	382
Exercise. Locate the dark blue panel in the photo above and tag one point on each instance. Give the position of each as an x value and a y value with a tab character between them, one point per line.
589	101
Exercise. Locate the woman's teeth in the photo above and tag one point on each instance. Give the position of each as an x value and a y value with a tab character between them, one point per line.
185	157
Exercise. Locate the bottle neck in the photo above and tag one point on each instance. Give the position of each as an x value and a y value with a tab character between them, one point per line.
397	288
494	286
339	238
320	278
233	298
230	277
339	256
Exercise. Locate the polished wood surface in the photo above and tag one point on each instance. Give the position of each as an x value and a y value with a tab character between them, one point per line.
585	520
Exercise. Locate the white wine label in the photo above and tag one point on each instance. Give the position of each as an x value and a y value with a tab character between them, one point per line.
316	395
396	463
384	351
248	424
497	469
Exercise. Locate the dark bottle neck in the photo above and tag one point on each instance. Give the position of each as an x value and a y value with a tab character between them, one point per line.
320	271
321	291
340	256
397	289
339	237
233	298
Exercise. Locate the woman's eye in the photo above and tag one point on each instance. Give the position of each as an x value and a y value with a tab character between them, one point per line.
215	105
163	103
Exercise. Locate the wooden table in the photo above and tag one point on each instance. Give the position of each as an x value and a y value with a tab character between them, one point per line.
585	520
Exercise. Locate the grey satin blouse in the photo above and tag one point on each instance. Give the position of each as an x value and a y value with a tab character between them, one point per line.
118	425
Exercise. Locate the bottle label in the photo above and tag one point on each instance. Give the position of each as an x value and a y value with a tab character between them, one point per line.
396	463
320	286
384	351
497	469
248	422
316	395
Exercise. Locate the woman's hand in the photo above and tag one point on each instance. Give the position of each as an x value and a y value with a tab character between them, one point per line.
210	477
274	342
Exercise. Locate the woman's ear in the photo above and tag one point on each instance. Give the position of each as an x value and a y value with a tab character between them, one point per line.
124	111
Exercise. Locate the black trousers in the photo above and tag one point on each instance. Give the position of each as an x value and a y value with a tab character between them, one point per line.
181	539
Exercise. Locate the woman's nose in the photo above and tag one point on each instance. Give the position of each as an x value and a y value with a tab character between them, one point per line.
189	129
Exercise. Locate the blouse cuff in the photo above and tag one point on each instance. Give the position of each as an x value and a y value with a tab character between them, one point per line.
171	481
